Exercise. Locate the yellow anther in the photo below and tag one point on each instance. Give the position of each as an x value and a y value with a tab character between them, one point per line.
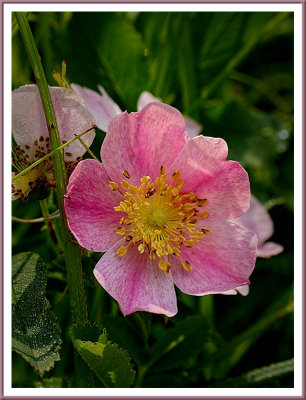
176	251
202	202
126	174
186	265
125	185
145	179
162	170
176	175
188	243
175	191
188	206
152	255
121	220
120	231
164	266
203	214
206	231
122	251
113	185
118	208
128	238
141	248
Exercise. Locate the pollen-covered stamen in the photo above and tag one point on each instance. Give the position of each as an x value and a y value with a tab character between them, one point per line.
159	219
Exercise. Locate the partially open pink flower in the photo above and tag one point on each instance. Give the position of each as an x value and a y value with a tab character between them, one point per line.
159	206
104	109
258	220
31	134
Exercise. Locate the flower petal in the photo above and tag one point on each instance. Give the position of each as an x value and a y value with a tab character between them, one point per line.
269	249
146	98
258	220
103	108
243	290
221	261
142	142
206	173
29	122
136	282
89	203
192	127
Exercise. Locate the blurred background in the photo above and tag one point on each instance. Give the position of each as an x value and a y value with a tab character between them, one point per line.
233	73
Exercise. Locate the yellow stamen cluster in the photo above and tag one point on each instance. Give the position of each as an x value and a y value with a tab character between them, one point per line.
159	220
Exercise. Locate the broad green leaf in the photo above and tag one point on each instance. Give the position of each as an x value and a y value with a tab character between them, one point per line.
180	343
109	362
36	334
260	375
111	51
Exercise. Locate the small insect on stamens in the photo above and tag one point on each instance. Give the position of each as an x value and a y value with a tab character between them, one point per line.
126	174
150	193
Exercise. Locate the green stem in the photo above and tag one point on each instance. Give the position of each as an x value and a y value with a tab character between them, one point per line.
36	220
75	278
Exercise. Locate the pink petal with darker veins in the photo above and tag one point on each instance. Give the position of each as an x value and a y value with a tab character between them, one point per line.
29	122
142	142
136	282
89	206
221	261
102	107
225	184
192	127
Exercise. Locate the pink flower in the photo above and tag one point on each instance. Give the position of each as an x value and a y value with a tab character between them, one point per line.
31	134
258	220
104	109
160	207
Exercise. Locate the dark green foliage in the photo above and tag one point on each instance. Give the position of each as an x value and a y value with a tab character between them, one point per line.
110	363
233	73
36	335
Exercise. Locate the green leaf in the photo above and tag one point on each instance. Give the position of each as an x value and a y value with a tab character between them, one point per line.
126	333
109	362
111	51
36	334
260	375
180	343
228	40
55	382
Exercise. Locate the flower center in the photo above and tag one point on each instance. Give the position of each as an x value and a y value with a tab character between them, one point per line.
158	218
